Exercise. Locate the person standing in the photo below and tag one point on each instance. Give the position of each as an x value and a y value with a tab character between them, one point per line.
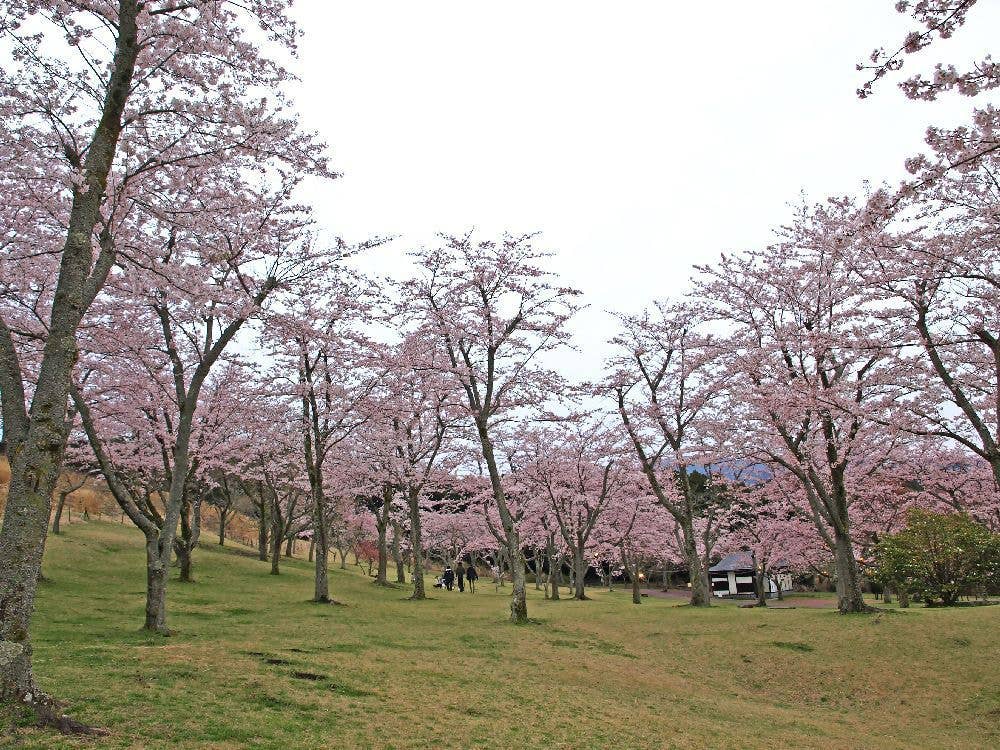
460	575
471	575
449	578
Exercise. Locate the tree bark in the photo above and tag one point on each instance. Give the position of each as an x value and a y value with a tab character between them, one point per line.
59	512
186	566
223	518
263	523
416	544
519	597
190	533
37	439
554	572
382	525
849	597
701	590
579	575
397	556
275	551
156	588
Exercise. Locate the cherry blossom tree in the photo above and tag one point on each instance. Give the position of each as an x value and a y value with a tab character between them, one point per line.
577	469
631	532
667	385
102	98
812	378
323	365
769	525
937	272
937	19
411	414
494	313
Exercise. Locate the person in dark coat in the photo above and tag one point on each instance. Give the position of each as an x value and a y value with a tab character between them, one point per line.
449	578
460	574
471	576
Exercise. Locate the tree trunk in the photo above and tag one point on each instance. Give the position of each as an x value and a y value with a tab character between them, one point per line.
223	518
701	590
400	568
58	516
184	560
262	535
275	553
37	438
290	547
321	589
190	532
416	544
312	548
518	599
156	588
554	572
849	597
759	587
579	575
382	525
519	594
59	511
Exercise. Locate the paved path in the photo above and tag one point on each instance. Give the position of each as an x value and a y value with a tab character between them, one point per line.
789	603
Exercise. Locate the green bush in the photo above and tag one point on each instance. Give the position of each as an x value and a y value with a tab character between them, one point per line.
938	557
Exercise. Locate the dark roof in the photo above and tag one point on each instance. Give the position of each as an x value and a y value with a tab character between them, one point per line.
743	561
735	561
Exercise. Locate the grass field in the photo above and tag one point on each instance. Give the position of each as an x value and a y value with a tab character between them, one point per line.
451	673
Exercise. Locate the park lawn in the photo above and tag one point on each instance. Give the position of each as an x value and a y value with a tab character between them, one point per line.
452	673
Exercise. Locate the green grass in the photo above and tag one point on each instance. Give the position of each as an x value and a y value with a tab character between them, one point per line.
451	673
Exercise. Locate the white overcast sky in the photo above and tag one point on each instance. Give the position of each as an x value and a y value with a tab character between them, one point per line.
638	137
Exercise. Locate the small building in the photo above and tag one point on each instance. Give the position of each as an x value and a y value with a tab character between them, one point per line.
733	576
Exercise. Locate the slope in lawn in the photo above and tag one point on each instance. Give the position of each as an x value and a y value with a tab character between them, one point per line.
254	664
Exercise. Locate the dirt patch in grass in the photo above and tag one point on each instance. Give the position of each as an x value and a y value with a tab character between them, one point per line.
793	646
350	692
309	676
